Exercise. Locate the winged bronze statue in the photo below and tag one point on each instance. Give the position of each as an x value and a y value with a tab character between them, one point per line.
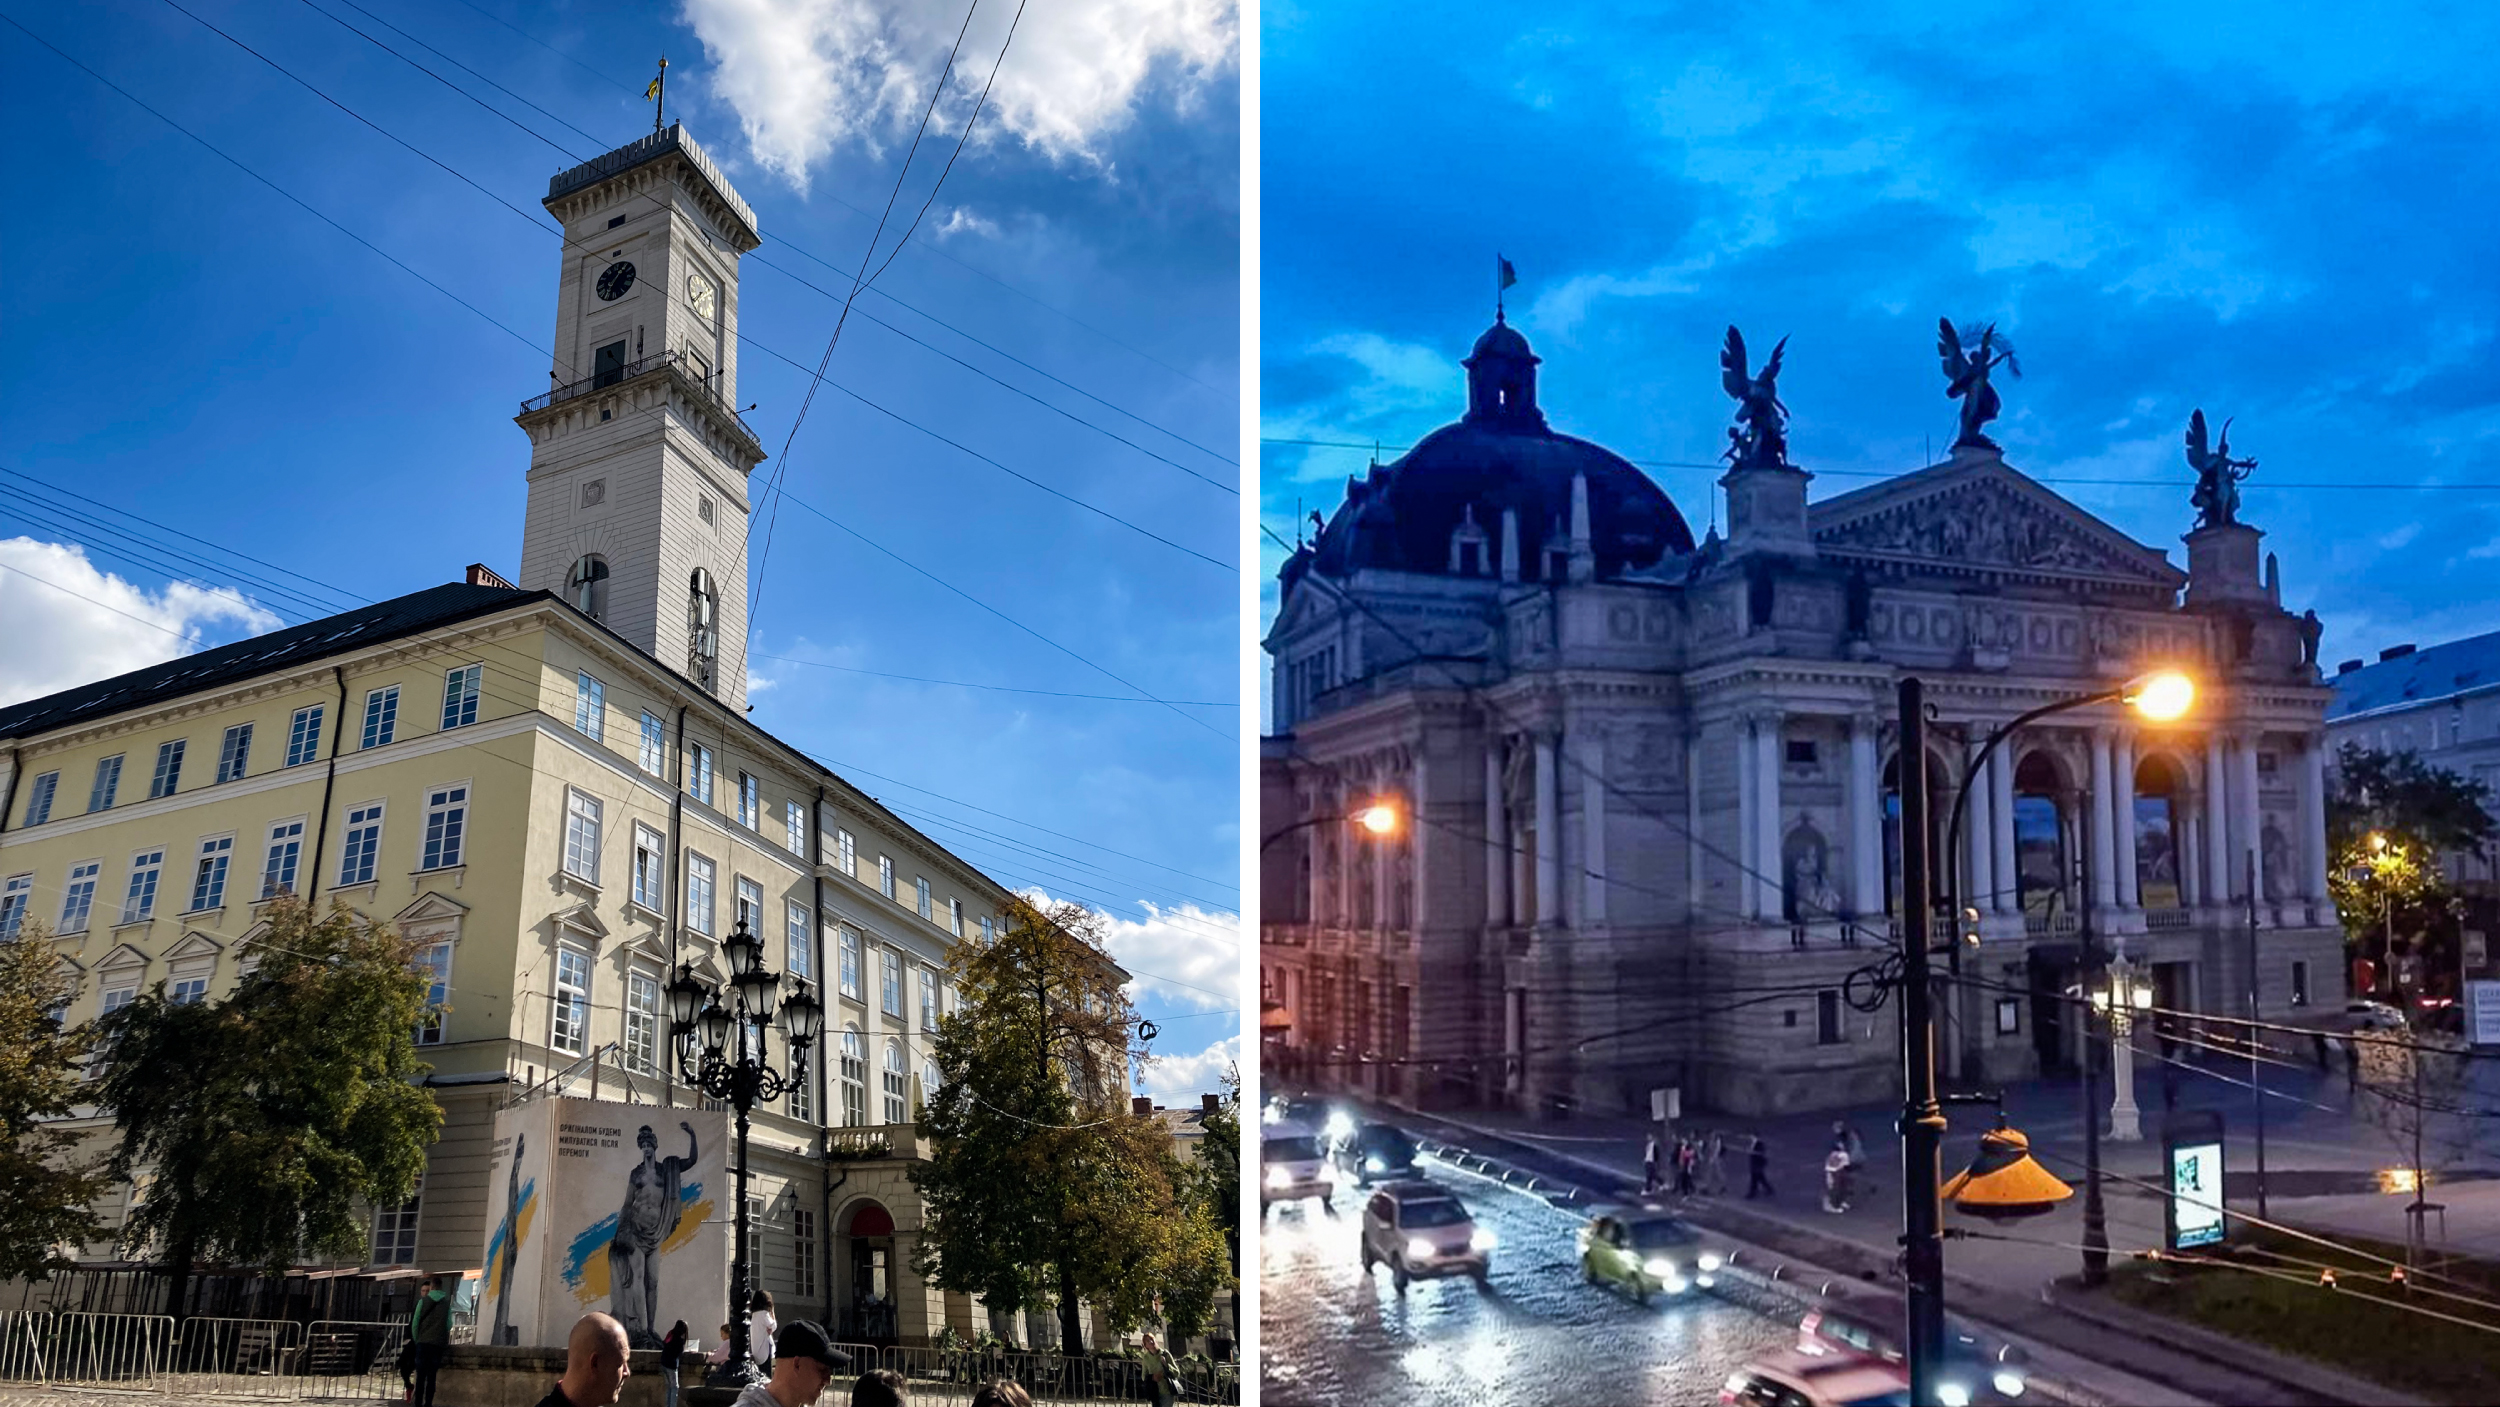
1759	439
1966	375
2218	475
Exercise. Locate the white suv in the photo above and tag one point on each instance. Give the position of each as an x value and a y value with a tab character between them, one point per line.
1420	1229
1292	1166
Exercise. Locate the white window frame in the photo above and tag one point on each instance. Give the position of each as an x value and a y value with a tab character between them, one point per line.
284	860
750	801
190	989
78	896
568	1013
794	819
641	1046
209	876
989	929
702	890
885	875
928	998
746	905
846	853
699	773
17	895
890	982
167	778
108	784
920	888
854	1069
896	1080
360	852
654	752
955	917
803	1232
381	717
395	1229
435	962
234	754
443	840
851	967
590	706
583	816
462	684
303	735
39	799
799	932
650	869
147	872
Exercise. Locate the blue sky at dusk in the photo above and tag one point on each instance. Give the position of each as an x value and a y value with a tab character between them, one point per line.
187	343
2278	213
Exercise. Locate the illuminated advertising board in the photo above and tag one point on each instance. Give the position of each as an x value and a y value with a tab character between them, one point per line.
2193	1214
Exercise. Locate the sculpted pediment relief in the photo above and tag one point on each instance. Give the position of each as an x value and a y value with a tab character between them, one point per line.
1986	519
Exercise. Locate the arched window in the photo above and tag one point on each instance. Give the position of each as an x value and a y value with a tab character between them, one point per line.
2159	798
703	630
587	588
897	1083
854	1079
2043	865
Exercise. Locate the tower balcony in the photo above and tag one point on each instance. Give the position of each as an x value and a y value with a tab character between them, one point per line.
702	390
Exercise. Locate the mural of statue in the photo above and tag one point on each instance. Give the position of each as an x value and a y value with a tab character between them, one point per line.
2218	475
1969	354
1806	887
653	1206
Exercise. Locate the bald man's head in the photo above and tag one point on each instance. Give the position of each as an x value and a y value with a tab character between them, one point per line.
596	1361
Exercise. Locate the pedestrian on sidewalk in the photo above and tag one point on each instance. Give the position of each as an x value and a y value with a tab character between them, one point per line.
1836	1181
1757	1167
1714	1165
1649	1168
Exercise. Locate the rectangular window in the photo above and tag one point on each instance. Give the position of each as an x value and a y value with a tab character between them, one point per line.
642	1023
303	736
803	1106
460	690
885	876
581	835
750	810
434	964
845	854
803	1244
286	847
39	803
897	1087
794	819
190	991
750	906
849	943
921	887
2300	984
364	842
801	962
14	897
654	743
700	878
647	868
108	780
381	716
699	774
1827	1018
118	998
955	917
168	767
78	897
208	884
572	1012
140	901
854	1080
590	707
989	929
234	755
928	999
395	1231
893	989
446	826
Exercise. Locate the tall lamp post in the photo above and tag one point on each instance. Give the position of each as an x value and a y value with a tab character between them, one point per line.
2125	994
722	1041
2385	858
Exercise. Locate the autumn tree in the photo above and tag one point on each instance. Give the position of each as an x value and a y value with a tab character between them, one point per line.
1041	1183
272	1119
47	1183
2390	819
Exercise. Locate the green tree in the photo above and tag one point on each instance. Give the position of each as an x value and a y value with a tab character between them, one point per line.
1213	1193
2388	822
1041	1183
46	1186
271	1119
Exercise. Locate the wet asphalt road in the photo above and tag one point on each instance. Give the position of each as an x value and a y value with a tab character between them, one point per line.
1536	1334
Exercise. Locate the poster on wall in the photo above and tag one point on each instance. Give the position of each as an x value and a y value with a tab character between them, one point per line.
2482	1012
609	1207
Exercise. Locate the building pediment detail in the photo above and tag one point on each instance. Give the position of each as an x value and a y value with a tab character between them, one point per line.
194	945
582	921
1982	516
122	958
647	947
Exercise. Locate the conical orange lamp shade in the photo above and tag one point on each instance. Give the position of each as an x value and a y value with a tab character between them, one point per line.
2003	1182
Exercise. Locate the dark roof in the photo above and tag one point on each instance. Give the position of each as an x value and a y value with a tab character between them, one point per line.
262	654
2433	672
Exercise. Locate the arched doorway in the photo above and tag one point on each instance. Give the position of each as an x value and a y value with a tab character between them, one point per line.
1939	810
2043	859
867	1313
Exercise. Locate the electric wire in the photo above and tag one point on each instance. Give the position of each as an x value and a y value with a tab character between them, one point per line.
996	688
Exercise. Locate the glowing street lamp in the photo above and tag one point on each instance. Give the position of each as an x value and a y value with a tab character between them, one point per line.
1380	818
2125	994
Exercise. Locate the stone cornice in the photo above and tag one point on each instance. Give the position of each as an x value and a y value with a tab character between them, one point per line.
665	387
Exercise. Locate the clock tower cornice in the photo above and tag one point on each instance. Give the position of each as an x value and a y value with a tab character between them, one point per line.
642	169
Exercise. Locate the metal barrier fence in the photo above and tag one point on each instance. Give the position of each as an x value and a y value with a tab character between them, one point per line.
946	1377
240	1357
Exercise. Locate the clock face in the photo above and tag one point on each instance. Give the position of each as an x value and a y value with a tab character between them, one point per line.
617	278
699	295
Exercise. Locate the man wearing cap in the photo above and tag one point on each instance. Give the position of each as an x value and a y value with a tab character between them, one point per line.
804	1362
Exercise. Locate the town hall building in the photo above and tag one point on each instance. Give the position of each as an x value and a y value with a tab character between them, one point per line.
1649	783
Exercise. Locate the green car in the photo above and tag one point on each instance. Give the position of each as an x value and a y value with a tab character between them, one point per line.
1647	1252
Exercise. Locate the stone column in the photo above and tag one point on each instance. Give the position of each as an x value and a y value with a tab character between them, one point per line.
1548	834
1979	842
1866	820
1748	819
2001	813
2313	818
2122	765
1496	836
1593	825
1767	834
1418	838
1693	894
2218	867
2100	832
2248	826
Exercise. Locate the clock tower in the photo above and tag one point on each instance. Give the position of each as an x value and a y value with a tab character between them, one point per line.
638	460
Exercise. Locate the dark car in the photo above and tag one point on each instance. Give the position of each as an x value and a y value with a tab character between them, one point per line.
1978	1367
1377	1153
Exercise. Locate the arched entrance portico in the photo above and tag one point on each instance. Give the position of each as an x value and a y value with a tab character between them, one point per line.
866	1303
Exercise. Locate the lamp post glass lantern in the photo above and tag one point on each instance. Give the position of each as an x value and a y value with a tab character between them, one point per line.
722	1041
2125	994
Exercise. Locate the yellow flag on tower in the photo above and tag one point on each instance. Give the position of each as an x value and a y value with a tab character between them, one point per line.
651	92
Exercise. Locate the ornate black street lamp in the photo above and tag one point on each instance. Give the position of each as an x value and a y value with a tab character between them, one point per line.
721	1049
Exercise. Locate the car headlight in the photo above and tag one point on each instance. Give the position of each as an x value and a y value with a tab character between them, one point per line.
2008	1384
1952	1395
1480	1240
1417	1248
1736	1383
1373	1164
1710	1262
1278	1177
1271	1115
1659	1268
1340	1125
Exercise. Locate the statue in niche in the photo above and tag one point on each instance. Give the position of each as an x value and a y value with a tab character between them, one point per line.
1759	439
1806	891
1970	354
2218	475
2277	862
2312	630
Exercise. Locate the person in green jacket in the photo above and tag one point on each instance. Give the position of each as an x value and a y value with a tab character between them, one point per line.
429	1328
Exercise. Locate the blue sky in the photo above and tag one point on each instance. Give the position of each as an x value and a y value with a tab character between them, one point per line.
186	343
2275	212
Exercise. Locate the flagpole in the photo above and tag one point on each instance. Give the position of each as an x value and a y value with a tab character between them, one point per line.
1497	286
659	112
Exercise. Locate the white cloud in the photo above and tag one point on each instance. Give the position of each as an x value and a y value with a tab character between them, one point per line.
961	220
1187	955
1176	1080
809	76
59	641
